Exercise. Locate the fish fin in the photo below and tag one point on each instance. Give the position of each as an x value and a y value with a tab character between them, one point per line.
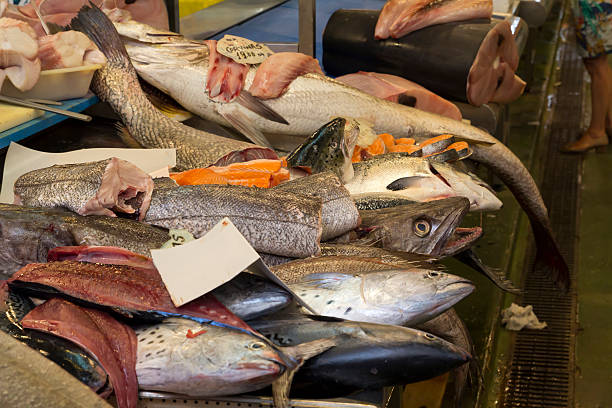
92	22
126	137
299	354
403	183
549	260
244	125
259	107
164	103
329	280
471	259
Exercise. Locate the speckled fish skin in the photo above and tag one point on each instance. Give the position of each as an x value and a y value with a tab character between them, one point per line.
295	271
47	385
451	328
275	222
117	84
87	188
376	201
216	361
28	233
367	355
401	297
250	296
397	258
338	213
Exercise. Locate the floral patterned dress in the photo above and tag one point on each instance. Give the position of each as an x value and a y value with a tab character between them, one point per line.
593	21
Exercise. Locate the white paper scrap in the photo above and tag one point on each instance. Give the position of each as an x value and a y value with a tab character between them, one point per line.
197	267
20	160
516	318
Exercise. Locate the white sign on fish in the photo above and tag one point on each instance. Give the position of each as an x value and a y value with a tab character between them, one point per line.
20	160
242	50
198	266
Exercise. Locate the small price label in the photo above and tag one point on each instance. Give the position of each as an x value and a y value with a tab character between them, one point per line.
242	50
178	237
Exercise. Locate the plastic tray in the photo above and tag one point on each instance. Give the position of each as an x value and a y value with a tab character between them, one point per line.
56	84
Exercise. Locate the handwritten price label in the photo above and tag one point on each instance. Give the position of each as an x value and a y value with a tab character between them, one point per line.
178	237
243	51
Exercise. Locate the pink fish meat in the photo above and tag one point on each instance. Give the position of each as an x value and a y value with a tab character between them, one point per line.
112	343
18	54
225	76
100	254
68	49
394	88
400	17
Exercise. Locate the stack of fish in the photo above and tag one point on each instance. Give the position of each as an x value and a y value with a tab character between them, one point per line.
356	243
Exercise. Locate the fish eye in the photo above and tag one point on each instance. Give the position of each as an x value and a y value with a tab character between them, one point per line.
422	228
256	346
333	145
429	336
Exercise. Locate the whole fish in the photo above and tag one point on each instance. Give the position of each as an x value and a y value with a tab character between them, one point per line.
328	149
424	228
419	179
295	271
321	97
117	84
401	17
367	355
397	296
112	343
249	296
338	213
28	233
69	356
46	384
104	187
272	221
187	357
451	328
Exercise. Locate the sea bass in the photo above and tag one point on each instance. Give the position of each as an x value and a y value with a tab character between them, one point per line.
424	228
367	355
321	97
69	356
28	233
338	212
105	187
389	297
117	84
400	17
47	385
275	222
419	179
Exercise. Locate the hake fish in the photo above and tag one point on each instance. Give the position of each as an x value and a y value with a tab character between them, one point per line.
105	187
28	233
419	179
275	222
321	97
397	296
117	84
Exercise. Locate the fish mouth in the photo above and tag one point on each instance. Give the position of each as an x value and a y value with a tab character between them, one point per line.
461	239
458	288
448	228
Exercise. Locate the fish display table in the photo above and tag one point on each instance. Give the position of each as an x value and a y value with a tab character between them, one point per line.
49	119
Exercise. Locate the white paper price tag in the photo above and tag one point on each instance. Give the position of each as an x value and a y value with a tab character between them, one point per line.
20	160
242	50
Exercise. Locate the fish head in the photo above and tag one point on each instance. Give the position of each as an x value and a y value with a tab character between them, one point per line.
481	195
329	149
422	228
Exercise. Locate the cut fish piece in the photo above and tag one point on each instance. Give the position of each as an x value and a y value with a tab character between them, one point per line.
510	89
18	51
112	343
68	49
7	22
100	254
225	76
276	73
400	17
105	187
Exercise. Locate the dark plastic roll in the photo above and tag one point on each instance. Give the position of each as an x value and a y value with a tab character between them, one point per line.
437	57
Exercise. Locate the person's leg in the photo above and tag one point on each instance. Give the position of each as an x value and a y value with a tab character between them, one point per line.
609	115
601	86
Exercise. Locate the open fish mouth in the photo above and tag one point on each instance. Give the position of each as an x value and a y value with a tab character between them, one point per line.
461	239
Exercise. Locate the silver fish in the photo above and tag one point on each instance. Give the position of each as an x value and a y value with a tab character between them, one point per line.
104	187
399	297
274	222
117	84
338	214
419	179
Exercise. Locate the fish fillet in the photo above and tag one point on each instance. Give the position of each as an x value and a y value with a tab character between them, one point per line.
276	73
68	49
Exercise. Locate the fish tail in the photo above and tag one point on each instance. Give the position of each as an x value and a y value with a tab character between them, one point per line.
548	257
92	22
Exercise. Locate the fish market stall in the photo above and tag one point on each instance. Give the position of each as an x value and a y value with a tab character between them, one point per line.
239	228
